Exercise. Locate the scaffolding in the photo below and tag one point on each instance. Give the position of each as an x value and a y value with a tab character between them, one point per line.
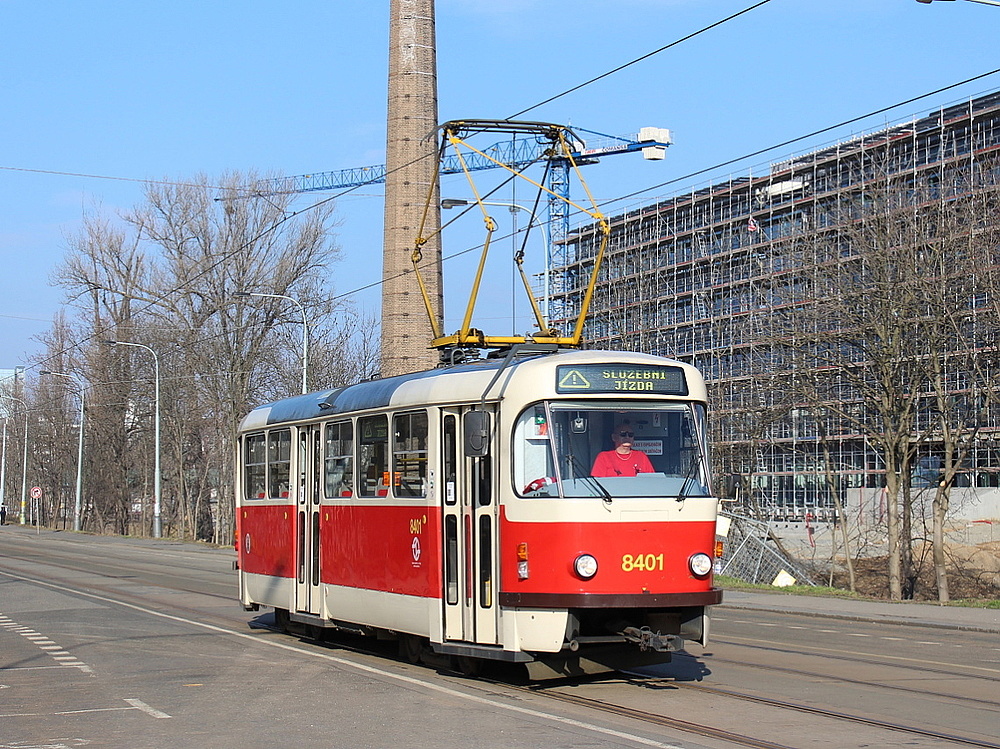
706	277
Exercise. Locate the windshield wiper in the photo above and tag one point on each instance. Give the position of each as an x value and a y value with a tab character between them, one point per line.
604	494
695	464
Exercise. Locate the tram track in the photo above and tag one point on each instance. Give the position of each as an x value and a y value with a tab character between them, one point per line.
108	572
645	717
841	656
105	569
108	578
743	740
838	715
847	680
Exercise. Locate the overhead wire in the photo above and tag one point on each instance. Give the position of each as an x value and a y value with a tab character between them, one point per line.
728	162
347	191
646	56
800	138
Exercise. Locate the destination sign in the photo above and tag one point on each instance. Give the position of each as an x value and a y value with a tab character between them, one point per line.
620	378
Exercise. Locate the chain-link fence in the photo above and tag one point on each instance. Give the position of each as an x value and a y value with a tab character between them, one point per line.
751	556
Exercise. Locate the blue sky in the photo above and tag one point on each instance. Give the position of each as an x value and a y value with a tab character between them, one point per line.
138	91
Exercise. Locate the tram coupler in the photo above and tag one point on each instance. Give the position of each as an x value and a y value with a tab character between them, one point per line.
647	639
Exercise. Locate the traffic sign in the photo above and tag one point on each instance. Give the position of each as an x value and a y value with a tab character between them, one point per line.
36	492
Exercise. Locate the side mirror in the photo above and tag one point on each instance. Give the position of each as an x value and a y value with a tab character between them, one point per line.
730	487
476	425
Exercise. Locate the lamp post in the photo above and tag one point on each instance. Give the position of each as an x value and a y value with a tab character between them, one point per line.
513	208
79	455
305	330
157	476
24	458
3	467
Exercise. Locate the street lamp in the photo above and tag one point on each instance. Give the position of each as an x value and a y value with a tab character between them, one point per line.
447	203
305	330
79	454
157	482
24	459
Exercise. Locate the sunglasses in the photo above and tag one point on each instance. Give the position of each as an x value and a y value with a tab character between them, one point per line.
626	434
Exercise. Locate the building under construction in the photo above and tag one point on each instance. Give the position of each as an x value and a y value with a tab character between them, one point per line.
741	278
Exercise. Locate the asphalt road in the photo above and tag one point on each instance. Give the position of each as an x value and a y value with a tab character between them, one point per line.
138	643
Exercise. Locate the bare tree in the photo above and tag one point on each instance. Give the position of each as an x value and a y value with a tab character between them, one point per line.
857	342
886	343
165	277
960	251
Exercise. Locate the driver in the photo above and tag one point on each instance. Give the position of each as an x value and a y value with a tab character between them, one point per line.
623	460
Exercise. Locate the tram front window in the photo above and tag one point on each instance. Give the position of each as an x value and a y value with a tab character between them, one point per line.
615	449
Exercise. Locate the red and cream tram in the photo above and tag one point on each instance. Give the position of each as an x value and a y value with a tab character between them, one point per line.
466	510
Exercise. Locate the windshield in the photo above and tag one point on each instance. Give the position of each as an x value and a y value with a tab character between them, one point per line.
611	449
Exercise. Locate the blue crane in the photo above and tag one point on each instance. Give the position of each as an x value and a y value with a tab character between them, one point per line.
652	142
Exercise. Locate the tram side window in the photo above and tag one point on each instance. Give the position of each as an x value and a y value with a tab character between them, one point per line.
254	467
279	462
450	453
339	470
533	462
373	456
409	454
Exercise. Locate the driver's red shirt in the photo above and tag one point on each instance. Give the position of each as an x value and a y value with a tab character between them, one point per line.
610	463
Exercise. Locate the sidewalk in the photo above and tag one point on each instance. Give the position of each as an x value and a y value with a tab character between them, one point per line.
904	612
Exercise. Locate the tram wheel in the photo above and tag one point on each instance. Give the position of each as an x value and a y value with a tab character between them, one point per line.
469	666
282	619
411	648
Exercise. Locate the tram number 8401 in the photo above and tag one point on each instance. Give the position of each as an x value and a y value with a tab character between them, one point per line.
642	562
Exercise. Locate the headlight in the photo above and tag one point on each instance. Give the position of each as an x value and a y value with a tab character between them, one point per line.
585	566
700	564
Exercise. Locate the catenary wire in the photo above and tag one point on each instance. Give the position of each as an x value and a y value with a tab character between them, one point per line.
646	56
225	257
347	191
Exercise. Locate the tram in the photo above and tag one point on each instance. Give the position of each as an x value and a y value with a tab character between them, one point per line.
540	504
463	510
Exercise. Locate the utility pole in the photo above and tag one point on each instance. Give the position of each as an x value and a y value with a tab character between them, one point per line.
411	169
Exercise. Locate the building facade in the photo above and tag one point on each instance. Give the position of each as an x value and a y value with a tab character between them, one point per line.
743	277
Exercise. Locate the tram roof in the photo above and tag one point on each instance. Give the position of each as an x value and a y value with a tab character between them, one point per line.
446	384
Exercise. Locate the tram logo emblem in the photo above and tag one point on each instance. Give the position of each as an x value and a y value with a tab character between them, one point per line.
573	379
415	547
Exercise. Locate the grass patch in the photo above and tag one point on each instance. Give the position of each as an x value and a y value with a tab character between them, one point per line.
731	583
977	603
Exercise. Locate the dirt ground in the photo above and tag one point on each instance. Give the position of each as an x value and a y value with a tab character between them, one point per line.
973	573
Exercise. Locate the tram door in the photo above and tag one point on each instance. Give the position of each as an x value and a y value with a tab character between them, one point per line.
469	517
307	589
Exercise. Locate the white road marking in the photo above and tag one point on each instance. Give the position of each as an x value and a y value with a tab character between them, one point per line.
140	705
43	643
133	705
410	681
